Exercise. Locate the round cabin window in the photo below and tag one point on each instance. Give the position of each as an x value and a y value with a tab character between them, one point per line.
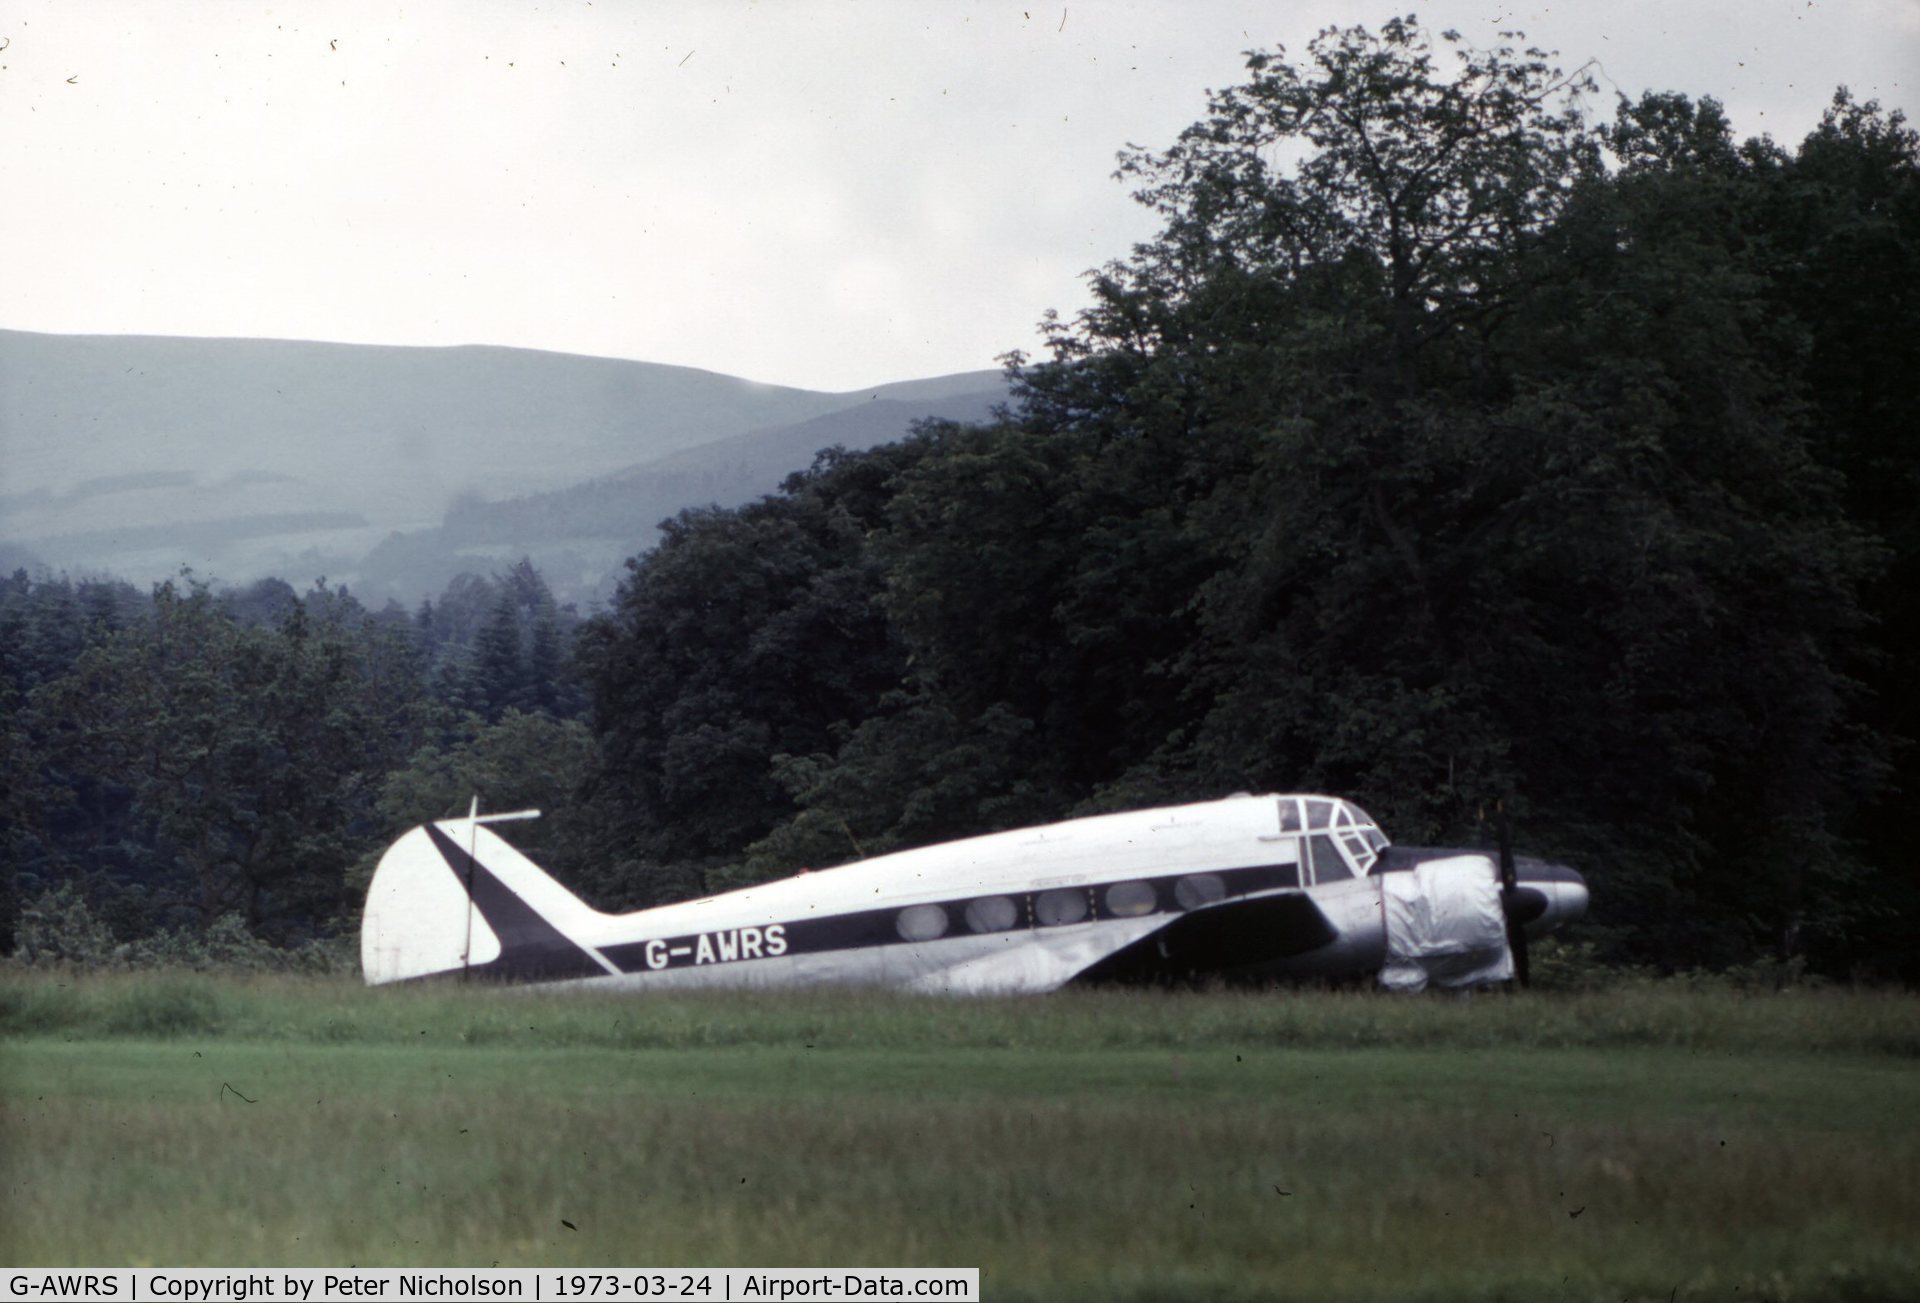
1199	889
922	922
1130	899
992	914
1055	908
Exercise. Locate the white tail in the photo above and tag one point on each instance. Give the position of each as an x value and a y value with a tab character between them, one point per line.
453	898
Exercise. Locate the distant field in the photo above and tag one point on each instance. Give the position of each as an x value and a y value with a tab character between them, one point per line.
1653	1143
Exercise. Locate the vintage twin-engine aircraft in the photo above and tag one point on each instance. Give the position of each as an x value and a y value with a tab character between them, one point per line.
1250	887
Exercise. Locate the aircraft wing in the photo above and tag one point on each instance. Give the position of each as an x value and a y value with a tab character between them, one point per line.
1229	938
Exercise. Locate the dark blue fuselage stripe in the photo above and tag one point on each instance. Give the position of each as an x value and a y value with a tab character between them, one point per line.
881	927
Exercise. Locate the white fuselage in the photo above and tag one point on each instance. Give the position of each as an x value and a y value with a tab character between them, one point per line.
1245	886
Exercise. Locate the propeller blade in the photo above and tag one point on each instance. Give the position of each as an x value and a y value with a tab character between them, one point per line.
1509	894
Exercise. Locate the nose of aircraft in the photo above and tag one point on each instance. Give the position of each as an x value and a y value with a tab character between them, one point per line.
1569	895
1561	898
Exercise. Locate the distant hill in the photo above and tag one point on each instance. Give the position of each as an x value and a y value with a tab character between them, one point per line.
580	536
138	455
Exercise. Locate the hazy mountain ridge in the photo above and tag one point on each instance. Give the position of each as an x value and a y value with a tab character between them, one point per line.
580	536
725	472
140	454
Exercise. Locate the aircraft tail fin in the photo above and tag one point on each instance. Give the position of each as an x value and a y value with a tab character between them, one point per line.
454	898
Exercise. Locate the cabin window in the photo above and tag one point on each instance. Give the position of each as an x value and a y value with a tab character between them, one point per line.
1327	864
1199	889
922	922
992	914
1065	905
1130	899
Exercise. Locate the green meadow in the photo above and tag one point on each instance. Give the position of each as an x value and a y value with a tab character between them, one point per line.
1655	1142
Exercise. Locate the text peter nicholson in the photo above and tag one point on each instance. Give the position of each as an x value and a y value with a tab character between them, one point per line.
436	1284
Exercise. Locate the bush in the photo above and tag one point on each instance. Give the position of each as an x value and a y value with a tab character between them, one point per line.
1561	965
58	929
227	946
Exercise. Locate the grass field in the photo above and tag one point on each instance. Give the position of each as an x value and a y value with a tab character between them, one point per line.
1651	1143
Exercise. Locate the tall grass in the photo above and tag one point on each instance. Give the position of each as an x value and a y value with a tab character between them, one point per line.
1311	1173
341	1011
1651	1142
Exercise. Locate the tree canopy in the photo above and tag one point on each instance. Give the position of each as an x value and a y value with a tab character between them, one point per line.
177	759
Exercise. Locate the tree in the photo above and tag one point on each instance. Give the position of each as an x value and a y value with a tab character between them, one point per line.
548	690
263	602
1424	181
744	635
250	755
499	643
522	761
1036	581
48	630
1512	488
499	675
17	802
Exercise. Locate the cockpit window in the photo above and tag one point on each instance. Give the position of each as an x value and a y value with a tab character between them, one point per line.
1352	841
1327	864
1358	836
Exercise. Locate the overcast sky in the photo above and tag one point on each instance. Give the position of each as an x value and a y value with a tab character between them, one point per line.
819	194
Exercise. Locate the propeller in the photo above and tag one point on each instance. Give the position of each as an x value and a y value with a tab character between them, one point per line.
1510	896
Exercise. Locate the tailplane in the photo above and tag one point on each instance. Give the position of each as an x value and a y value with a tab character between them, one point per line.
453	898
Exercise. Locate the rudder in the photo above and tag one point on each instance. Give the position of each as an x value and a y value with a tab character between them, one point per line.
454	897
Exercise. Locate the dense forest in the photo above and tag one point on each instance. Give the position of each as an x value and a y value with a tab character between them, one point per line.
1451	446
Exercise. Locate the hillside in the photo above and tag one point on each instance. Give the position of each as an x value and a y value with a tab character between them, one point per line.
581	535
138	455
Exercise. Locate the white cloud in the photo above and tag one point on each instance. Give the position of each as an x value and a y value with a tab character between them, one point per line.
818	193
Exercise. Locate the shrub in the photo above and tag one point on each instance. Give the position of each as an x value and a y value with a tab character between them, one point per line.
58	927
